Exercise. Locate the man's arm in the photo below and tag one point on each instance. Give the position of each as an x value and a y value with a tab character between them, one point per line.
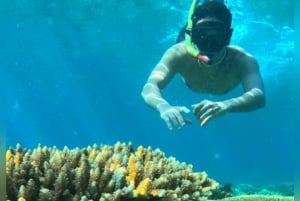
161	75
254	96
158	79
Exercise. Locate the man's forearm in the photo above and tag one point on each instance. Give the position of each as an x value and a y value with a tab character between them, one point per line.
152	97
249	101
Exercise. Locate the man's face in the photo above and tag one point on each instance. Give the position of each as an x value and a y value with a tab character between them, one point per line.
210	35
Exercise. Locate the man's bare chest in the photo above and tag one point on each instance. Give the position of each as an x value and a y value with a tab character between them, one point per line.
210	79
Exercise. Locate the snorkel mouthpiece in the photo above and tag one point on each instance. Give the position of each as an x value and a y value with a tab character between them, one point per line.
188	38
203	58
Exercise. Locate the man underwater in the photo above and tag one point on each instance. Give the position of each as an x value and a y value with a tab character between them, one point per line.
207	64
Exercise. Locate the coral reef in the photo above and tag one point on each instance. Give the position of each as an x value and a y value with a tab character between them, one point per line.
104	173
258	198
284	189
223	191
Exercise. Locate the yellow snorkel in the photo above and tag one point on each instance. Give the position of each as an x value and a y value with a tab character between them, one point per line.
188	35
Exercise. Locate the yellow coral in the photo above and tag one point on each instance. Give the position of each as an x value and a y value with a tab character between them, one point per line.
157	192
9	155
17	158
143	188
132	170
92	155
113	164
21	199
107	165
140	151
116	163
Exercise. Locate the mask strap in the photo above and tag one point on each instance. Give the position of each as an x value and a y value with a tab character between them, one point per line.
188	36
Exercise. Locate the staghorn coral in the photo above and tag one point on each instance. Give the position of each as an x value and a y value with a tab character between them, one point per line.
104	173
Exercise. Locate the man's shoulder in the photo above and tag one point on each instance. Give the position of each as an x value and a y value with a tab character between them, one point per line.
238	50
177	51
241	58
240	53
180	47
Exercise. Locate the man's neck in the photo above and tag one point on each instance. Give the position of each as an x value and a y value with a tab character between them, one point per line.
215	57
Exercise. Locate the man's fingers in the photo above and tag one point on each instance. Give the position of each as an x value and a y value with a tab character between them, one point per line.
187	121
179	120
205	120
174	118
196	108
206	113
206	108
183	109
199	106
168	122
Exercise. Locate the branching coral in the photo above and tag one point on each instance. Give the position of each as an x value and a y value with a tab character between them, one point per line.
104	173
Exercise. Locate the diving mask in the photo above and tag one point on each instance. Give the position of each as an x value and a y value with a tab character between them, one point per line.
210	35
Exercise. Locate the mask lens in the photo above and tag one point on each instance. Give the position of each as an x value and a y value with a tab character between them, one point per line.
208	29
209	36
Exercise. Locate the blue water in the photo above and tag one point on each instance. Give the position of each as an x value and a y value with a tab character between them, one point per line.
71	74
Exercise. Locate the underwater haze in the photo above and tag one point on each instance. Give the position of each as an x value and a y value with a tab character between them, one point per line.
72	71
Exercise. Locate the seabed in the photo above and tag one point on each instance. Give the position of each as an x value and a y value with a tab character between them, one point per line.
257	198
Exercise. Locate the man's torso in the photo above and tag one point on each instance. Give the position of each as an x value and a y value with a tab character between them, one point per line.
216	79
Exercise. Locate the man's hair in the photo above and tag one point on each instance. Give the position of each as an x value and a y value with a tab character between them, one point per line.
209	9
213	9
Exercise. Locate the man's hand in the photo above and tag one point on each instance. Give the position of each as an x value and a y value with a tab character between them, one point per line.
173	117
207	110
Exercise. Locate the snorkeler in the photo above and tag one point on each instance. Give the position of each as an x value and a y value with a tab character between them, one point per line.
207	64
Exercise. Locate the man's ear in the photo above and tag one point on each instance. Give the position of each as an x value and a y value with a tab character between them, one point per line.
181	35
230	32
